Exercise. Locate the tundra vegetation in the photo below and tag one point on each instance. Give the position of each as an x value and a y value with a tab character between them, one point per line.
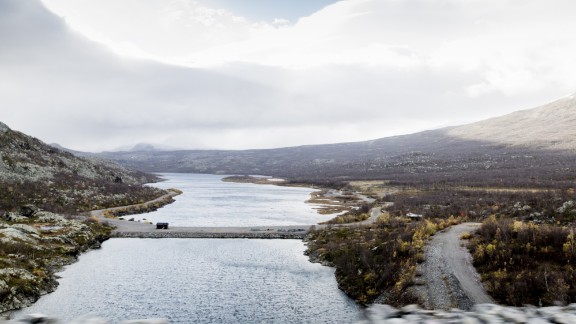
34	247
526	262
44	193
524	251
32	172
377	260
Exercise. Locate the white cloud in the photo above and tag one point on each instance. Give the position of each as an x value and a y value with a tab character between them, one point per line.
358	69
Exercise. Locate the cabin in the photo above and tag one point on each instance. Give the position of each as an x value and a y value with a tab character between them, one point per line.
161	225
414	216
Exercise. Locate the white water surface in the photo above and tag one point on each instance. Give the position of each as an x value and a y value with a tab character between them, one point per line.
199	281
209	201
207	280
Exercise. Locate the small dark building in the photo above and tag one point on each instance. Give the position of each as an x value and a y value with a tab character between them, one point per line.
161	225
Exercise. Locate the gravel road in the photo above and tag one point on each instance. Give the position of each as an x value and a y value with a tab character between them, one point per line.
450	279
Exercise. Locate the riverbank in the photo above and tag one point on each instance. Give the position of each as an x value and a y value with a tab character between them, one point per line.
144	207
36	244
34	248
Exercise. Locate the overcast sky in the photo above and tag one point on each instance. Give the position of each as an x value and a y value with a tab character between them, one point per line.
234	74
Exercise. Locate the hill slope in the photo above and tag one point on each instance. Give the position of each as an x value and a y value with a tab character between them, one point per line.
528	147
32	172
552	126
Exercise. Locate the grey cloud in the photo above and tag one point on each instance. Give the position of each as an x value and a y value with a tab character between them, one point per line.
62	88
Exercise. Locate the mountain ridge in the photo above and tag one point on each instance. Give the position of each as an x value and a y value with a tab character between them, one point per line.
447	154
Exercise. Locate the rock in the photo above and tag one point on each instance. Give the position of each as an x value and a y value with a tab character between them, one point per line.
38	319
14	233
29	210
48	217
513	315
26	229
408	309
469	320
147	321
382	311
564	318
14	217
483	313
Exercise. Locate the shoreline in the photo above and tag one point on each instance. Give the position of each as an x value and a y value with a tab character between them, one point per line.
42	233
41	247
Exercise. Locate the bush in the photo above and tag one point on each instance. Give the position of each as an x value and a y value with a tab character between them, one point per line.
525	263
376	259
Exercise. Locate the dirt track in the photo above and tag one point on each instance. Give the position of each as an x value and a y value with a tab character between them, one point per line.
450	279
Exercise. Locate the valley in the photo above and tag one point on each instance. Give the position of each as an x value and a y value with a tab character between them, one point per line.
391	198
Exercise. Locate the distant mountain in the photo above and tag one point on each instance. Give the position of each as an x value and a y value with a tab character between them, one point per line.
144	147
32	172
525	147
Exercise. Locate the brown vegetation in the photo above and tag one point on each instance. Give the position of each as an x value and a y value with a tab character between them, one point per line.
146	207
375	260
526	263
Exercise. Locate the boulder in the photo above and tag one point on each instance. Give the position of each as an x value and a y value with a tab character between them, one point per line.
29	210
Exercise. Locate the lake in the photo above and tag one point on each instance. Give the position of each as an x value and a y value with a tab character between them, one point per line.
199	281
207	280
208	201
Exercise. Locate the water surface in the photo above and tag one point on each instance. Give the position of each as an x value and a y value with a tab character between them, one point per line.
208	201
199	281
207	280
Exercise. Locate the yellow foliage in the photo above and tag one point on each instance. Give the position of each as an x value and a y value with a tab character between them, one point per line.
372	292
490	249
369	276
383	218
403	246
39	272
570	246
517	226
491	219
431	228
479	253
406	278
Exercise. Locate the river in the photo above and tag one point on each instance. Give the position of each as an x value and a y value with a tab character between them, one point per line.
208	201
206	280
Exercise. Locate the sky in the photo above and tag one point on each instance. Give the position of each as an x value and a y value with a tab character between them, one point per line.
96	75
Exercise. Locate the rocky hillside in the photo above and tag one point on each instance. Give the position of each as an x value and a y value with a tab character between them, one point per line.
514	148
34	247
32	172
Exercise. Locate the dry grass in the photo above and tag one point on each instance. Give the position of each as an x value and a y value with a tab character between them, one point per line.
378	188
